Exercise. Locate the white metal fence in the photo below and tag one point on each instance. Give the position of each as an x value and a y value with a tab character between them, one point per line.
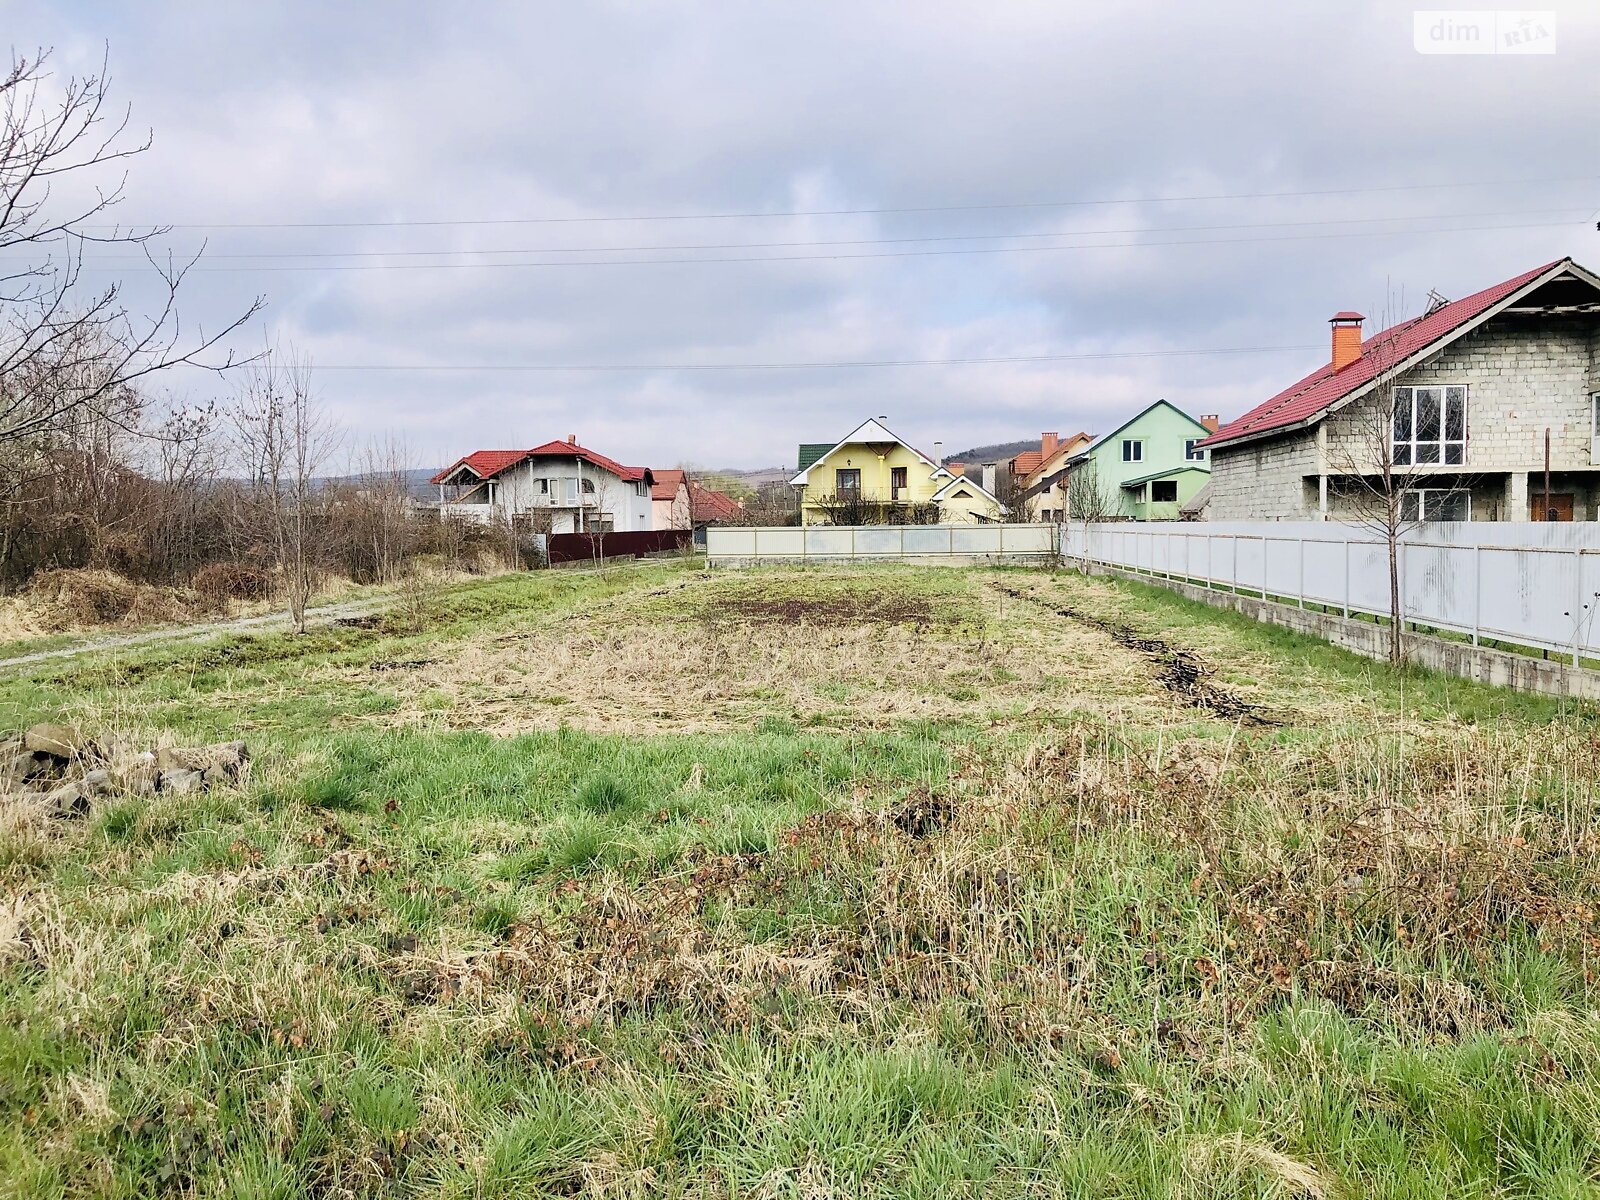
926	543
1533	585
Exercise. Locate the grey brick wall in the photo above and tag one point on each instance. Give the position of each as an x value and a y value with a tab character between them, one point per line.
1522	374
1264	481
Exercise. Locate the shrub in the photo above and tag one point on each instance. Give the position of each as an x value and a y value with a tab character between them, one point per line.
69	597
222	582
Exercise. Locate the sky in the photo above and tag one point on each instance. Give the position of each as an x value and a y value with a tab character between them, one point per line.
1048	215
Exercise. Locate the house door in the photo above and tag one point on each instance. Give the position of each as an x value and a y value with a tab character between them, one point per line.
1558	507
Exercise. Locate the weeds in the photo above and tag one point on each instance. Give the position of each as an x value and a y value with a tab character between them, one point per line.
1099	944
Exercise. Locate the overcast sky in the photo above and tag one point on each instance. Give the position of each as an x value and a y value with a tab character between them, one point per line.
1043	118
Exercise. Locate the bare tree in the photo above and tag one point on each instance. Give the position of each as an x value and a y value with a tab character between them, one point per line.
1371	456
284	439
65	347
1088	497
774	503
606	490
378	508
851	508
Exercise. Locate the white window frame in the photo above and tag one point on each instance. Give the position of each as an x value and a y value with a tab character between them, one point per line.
1174	484
1132	450
1431	496
572	489
1190	454
1412	451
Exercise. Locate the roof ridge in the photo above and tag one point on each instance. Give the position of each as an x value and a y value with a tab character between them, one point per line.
1312	395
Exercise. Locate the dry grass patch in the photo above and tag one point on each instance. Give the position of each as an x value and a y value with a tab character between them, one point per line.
797	649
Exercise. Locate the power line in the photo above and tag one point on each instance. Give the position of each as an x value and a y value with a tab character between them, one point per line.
968	237
970	250
852	212
805	366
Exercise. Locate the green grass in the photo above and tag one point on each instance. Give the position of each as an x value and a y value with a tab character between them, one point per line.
1104	945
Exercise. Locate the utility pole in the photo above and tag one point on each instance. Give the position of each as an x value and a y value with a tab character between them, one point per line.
1548	515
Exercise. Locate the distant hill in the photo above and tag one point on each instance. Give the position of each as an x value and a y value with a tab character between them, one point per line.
416	480
998	452
755	477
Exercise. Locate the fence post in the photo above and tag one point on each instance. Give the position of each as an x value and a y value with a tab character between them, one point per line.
1400	563
1477	590
1347	574
1301	589
1236	564
1577	603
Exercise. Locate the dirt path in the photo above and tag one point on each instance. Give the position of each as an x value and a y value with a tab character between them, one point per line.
327	614
267	623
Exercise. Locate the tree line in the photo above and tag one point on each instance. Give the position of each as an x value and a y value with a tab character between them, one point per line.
100	467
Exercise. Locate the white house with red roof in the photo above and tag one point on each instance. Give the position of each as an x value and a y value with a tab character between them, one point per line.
559	487
1475	384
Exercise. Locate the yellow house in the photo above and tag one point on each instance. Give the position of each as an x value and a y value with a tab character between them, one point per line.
875	477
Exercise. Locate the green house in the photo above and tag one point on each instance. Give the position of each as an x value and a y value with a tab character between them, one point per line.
1146	469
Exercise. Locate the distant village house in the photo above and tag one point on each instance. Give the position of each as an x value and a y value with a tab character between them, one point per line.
873	476
559	487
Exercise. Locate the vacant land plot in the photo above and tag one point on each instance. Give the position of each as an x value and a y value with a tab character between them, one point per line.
810	883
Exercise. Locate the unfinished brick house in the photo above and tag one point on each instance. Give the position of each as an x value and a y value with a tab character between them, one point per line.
1475	384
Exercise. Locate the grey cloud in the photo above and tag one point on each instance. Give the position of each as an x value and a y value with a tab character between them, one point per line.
299	112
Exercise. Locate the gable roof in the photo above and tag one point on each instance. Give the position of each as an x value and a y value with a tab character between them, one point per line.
1065	447
967	480
867	431
1107	439
1026	463
666	485
1397	348
707	504
486	464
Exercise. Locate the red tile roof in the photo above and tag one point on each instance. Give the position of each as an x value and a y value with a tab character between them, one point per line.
484	463
1324	387
666	485
1026	463
488	463
709	505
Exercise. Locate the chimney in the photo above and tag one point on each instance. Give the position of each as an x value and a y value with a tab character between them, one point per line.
1209	420
1047	444
1346	338
989	470
956	468
572	439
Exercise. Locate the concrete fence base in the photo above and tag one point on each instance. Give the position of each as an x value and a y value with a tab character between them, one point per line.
1496	667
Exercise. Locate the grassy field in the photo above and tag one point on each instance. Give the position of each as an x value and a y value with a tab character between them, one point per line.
823	883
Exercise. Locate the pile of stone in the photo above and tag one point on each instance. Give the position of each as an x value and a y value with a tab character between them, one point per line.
67	773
